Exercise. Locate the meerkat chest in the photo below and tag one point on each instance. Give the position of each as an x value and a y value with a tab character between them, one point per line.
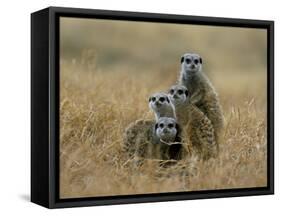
182	117
206	103
159	151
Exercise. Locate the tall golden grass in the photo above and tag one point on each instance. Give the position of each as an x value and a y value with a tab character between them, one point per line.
108	69
97	106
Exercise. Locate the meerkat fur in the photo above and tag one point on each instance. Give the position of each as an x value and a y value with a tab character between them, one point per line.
197	128
145	139
161	106
202	93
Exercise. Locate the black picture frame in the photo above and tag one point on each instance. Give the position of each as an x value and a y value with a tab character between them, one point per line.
45	106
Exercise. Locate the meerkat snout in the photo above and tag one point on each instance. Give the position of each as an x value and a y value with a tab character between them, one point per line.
191	63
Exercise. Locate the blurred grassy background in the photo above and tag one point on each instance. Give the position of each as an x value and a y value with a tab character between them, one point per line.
154	45
108	70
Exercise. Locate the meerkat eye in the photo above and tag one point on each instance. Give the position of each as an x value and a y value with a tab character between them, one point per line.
170	125
172	91
180	92
188	61
196	61
161	125
162	99
153	99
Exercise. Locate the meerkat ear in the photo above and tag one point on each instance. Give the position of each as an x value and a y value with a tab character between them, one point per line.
168	99
149	99
182	59
156	126
178	136
178	127
200	59
186	93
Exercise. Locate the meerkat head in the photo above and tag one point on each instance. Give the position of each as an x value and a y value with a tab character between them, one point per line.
178	94
191	63
161	105
166	129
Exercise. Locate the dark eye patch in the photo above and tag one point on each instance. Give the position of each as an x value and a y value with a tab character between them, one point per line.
188	61
161	125
161	99
172	91
170	125
180	92
196	61
153	99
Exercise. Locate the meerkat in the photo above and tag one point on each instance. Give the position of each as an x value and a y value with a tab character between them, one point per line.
161	105
202	92
159	139
197	127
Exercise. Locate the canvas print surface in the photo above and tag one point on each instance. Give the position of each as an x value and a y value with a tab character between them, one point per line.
155	107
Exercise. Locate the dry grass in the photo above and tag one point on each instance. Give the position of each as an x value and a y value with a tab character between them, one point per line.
108	70
97	105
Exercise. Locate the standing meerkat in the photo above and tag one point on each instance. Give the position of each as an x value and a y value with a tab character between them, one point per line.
202	92
161	105
159	139
197	127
